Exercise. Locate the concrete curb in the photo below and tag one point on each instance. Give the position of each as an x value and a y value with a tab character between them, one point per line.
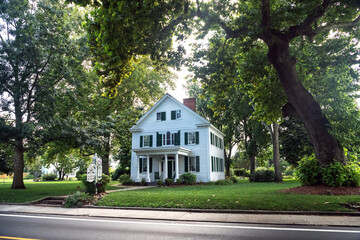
224	211
231	211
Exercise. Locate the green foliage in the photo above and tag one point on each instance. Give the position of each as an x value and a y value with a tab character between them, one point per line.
333	175
143	182
352	175
125	179
169	181
119	171
78	199
233	179
263	174
294	141
49	177
242	172
159	182
188	178
289	171
90	186
308	171
179	181
6	158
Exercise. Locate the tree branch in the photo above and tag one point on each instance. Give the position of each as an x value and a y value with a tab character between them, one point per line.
327	27
304	28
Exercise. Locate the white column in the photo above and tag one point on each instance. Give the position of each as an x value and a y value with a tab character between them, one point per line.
147	169
176	166
138	169
166	167
160	175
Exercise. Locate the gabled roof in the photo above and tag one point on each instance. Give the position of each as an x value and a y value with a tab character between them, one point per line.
168	96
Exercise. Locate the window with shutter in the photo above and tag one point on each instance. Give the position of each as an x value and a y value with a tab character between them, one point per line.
212	163
141	141
163	116
150	163
177	138
186	163
186	138
197	163
158	139
140	165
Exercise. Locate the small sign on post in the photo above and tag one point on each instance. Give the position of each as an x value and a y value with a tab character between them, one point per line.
91	173
99	172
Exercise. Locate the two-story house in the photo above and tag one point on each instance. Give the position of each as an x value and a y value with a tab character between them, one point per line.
171	139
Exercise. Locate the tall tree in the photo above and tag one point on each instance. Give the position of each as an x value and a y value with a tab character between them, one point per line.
37	48
150	25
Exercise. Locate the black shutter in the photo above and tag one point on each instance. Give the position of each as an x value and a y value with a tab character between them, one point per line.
173	115
211	138
197	137
151	140
163	116
186	138
140	165
158	139
212	163
141	141
197	163
150	165
186	163
177	138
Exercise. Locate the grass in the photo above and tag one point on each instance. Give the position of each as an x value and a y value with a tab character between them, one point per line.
37	190
243	195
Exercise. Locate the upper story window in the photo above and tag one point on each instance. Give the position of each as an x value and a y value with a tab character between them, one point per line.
168	139
176	114
191	138
146	141
216	141
161	116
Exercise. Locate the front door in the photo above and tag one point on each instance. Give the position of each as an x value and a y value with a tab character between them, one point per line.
171	166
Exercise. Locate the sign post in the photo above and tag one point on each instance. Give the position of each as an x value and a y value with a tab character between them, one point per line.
94	171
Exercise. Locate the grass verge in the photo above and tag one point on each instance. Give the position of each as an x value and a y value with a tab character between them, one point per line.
37	190
241	196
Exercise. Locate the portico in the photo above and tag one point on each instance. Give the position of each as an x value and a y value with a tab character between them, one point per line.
160	163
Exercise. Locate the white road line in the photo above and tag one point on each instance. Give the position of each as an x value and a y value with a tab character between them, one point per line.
187	225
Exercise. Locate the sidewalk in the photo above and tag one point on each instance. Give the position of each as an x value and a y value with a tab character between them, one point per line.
285	219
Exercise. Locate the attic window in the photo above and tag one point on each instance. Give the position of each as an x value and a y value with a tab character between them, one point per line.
176	114
161	116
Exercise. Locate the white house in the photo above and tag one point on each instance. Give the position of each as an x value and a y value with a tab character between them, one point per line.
171	139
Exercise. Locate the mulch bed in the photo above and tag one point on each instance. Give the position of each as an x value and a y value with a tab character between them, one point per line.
323	190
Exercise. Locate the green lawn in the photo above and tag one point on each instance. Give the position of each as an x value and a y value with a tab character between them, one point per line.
37	190
243	195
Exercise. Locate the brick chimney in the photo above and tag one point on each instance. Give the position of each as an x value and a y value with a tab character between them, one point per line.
190	103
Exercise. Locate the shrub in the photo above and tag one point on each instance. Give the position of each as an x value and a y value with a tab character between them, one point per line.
90	186
159	182
169	181
29	176
308	172
352	175
262	174
143	182
49	177
333	175
336	174
242	172
78	199
124	177
188	178
178	181
80	173
233	179
119	171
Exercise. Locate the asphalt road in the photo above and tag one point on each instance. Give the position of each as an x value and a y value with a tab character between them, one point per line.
13	226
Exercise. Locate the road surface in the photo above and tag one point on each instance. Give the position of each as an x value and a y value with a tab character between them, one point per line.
20	226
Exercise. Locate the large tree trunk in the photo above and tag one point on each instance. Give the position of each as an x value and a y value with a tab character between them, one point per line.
252	163
227	161
276	154
106	157
327	148
18	181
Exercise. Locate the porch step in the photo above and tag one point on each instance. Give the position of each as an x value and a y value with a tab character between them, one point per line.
57	201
